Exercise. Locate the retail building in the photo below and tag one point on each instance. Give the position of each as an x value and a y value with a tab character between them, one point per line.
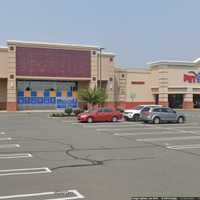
36	75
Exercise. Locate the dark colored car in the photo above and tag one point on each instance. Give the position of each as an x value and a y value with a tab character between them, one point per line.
100	115
163	114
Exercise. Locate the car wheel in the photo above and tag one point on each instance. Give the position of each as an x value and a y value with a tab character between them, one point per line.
89	120
114	119
180	120
136	117
156	120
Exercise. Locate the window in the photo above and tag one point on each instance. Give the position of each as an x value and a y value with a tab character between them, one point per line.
146	109
107	110
156	110
167	110
139	107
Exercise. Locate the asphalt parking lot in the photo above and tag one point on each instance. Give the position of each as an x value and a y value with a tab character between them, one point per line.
44	158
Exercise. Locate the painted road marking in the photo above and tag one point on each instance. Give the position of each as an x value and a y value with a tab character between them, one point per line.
9	146
117	126
4	139
129	128
12	155
189	146
2	133
184	127
104	129
147	133
9	172
168	138
75	193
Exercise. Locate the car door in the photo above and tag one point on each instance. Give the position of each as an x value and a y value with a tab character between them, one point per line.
107	114
167	114
99	116
171	114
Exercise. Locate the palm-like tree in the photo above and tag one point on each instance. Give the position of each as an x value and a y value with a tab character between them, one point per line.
93	96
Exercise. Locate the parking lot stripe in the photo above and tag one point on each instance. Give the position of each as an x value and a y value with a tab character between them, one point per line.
4	139
2	133
118	126
188	146
168	138
9	146
147	133
75	192
12	155
9	172
106	129
129	128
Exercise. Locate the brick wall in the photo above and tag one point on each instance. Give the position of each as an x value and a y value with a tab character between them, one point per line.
52	62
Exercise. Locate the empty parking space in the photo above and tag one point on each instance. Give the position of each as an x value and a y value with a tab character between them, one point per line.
52	195
46	156
172	136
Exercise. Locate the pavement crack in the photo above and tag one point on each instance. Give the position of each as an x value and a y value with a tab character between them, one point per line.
92	162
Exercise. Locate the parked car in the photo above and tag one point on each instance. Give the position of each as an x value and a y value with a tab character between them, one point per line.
134	114
162	114
100	115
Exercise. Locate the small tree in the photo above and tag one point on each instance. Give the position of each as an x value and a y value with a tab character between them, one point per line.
93	96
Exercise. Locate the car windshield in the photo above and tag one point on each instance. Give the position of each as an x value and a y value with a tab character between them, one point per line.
138	107
91	110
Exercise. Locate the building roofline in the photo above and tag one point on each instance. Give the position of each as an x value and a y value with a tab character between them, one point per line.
174	62
53	45
104	53
171	62
133	70
2	48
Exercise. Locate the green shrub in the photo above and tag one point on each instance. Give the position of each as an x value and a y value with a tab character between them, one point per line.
68	111
57	114
77	111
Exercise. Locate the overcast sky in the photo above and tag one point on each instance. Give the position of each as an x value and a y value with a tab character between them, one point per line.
138	31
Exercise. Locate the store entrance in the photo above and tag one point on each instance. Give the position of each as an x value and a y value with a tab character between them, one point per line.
175	100
196	100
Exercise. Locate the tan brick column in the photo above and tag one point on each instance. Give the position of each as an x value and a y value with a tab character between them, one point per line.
94	67
188	99
11	87
163	86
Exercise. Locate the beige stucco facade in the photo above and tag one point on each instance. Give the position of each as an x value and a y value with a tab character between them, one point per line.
163	81
171	83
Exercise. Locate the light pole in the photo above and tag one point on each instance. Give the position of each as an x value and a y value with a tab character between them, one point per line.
100	65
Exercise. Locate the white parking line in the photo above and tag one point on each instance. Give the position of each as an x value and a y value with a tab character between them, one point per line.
9	172
133	129
12	155
2	133
106	129
67	192
148	133
9	146
168	138
118	126
4	139
188	146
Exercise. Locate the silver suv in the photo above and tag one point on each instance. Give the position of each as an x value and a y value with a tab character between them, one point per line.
134	113
163	114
